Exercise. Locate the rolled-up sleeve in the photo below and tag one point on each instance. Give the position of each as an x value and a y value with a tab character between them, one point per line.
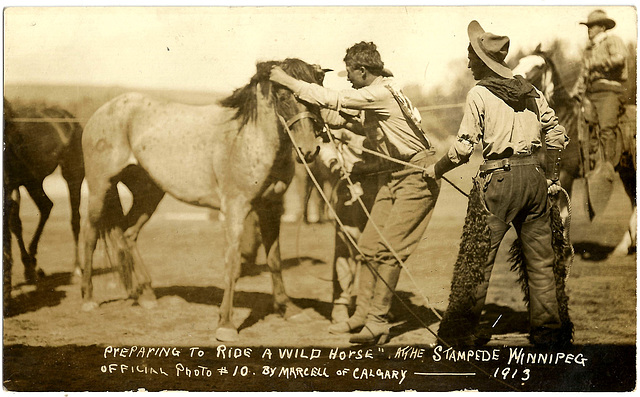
555	134
470	131
469	134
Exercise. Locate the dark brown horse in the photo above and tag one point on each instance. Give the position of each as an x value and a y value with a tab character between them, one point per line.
541	71
234	156
38	140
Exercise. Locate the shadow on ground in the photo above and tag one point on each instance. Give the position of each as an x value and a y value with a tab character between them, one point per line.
45	294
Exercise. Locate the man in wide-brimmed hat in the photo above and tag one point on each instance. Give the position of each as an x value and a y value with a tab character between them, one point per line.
514	122
604	69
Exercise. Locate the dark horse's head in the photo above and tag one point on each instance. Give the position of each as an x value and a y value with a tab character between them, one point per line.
302	119
540	70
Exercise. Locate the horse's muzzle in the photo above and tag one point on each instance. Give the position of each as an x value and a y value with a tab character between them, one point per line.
308	157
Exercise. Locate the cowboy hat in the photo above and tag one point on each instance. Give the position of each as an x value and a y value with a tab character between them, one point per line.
490	48
599	17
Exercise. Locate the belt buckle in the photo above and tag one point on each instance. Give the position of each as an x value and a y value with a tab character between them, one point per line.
506	165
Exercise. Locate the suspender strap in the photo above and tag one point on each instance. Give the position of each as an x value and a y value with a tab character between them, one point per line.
407	111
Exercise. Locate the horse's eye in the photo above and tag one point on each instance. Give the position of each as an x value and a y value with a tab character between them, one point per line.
283	95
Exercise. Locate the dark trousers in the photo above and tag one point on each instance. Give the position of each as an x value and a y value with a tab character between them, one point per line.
608	105
519	196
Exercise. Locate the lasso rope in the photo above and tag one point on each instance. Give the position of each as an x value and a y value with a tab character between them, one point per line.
567	228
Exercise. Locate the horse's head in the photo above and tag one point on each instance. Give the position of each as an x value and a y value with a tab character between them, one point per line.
303	120
537	69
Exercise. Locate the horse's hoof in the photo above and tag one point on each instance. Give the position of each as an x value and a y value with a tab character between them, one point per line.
147	298
89	306
76	277
227	335
290	218
147	303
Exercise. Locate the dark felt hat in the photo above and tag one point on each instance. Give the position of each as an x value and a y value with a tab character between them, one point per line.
490	48
599	17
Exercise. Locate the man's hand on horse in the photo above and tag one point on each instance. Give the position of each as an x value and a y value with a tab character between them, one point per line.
553	187
279	76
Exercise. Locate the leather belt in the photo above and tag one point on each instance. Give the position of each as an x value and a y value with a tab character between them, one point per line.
506	164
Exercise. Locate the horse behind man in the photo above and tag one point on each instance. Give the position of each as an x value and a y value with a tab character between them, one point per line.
234	156
38	140
542	72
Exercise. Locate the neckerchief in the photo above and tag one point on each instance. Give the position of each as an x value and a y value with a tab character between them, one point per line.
518	93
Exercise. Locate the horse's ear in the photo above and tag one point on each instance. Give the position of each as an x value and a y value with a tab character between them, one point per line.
538	49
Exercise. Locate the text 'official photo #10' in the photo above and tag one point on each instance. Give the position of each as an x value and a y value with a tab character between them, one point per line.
319	198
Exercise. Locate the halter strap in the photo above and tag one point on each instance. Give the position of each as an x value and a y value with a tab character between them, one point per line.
300	116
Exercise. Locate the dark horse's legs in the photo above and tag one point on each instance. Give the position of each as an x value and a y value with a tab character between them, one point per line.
269	213
146	197
7	260
74	174
44	204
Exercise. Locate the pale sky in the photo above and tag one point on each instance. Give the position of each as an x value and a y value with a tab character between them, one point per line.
216	48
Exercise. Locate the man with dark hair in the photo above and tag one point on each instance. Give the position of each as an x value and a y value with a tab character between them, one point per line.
604	69
513	121
405	200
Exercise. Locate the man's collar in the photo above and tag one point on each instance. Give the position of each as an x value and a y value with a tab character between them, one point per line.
378	81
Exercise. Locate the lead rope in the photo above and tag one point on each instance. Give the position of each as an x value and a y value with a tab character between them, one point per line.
373	270
567	228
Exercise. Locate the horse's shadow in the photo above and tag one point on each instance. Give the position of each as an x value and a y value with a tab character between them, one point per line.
496	319
592	251
260	304
252	270
46	294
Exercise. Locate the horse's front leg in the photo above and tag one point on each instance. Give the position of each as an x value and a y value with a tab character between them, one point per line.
269	217
236	211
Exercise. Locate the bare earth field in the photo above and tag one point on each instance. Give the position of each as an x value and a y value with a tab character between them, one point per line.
183	248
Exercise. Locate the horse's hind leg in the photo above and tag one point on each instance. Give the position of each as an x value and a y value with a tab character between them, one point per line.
74	177
15	226
146	197
235	212
44	204
269	217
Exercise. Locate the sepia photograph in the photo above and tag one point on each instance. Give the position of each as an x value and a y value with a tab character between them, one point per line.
307	197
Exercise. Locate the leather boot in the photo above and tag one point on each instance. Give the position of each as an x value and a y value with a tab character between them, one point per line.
365	289
376	329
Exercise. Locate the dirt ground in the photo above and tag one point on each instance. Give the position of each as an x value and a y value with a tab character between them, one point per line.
182	246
